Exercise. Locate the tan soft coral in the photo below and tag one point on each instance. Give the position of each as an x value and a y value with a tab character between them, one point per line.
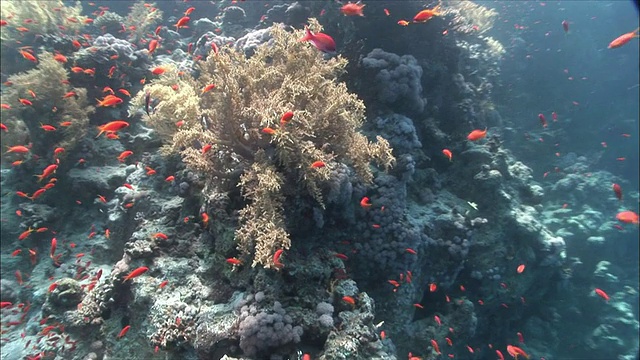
47	17
251	94
48	82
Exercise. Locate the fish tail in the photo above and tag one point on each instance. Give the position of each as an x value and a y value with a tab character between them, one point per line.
101	131
308	35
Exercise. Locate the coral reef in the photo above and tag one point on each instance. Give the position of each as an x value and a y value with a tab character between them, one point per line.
56	103
249	96
142	19
397	80
46	17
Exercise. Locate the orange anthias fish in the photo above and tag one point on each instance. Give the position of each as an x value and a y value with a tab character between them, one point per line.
318	164
112	126
436	348
447	153
207	88
276	259
618	191
426	14
602	294
27	55
365	203
109	100
137	272
182	22
352	9
286	117
628	217
153	45
123	332
47	172
321	41
477	135
349	299
515	351
623	39
17	149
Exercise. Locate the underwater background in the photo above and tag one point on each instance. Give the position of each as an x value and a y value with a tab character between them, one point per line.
319	180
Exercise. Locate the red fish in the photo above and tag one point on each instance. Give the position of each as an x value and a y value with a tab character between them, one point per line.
318	164
286	117
602	294
158	70
268	131
426	14
182	22
234	261
321	41
207	88
628	217
447	153
618	191
125	154
112	126
520	268
17	149
47	172
365	203
622	39
109	100
54	244
137	272
565	26
543	120
160	236
477	135
60	58
5	304
27	55
436	348
349	300
554	116
124	330
153	45
515	351
276	259
189	11
352	9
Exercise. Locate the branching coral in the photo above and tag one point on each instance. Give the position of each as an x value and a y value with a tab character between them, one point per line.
142	18
469	16
47	17
50	106
252	94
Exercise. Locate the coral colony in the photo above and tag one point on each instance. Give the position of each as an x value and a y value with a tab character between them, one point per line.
302	180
